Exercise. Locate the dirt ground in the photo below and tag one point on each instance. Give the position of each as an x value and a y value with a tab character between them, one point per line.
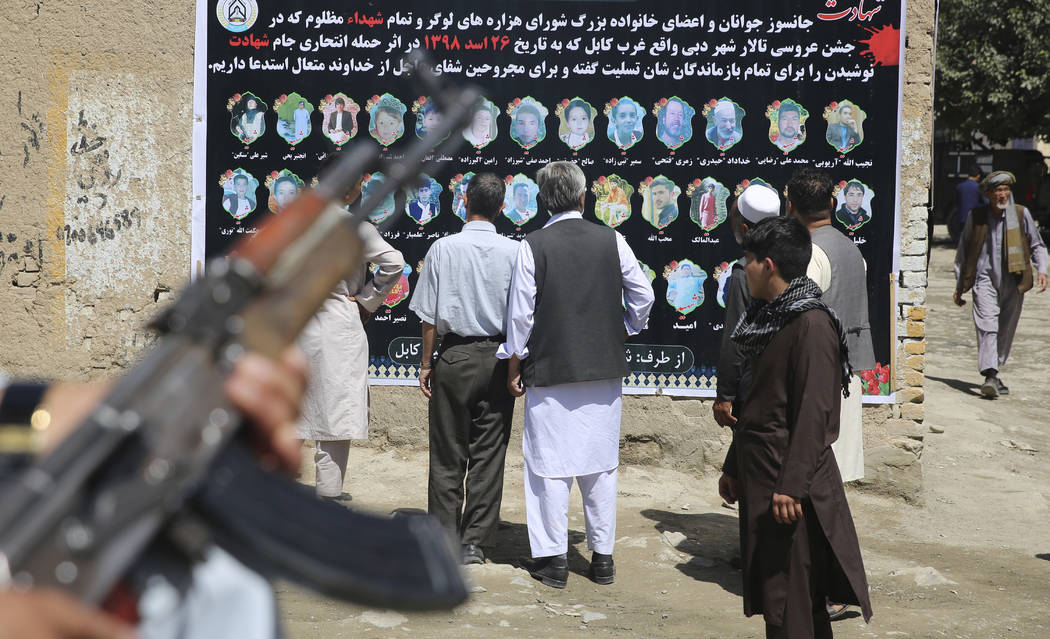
973	562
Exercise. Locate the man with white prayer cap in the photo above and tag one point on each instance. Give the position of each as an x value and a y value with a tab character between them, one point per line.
998	247
576	294
756	203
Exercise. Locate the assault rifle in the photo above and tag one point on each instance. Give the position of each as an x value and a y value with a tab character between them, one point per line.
159	460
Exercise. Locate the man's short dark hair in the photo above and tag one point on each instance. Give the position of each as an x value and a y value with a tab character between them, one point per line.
664	182
787	107
783	240
240	176
809	191
854	184
340	101
485	193
974	171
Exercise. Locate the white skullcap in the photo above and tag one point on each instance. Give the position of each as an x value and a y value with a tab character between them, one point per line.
758	202
725	107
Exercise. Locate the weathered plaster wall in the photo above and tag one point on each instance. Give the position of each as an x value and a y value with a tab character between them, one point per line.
95	186
95	194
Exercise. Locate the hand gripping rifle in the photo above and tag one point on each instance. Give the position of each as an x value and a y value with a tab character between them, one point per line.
158	458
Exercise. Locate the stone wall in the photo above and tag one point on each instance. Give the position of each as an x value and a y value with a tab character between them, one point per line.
95	199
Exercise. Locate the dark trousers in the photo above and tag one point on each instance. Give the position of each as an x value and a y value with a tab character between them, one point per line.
470	416
806	613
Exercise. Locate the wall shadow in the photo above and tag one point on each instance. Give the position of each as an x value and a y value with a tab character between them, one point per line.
712	540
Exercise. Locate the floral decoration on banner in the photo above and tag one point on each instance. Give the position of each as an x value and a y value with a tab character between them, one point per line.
561	106
372	101
325	101
418	105
610	105
876	381
281	99
657	106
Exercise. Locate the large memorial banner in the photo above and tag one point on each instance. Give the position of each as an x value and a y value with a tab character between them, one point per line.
671	108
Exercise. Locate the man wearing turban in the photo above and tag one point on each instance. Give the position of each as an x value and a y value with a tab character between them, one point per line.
999	245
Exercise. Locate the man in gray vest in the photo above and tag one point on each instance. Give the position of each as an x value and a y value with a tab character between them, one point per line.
841	273
838	268
462	296
577	293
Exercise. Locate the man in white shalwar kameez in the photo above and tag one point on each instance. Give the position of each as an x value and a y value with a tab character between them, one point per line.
335	410
576	293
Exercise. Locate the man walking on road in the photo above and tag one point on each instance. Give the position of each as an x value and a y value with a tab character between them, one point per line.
462	297
577	293
997	249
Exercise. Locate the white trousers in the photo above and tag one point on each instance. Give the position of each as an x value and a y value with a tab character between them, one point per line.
849	447
330	464
547	511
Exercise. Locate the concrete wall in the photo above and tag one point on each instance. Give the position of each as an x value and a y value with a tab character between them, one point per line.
95	195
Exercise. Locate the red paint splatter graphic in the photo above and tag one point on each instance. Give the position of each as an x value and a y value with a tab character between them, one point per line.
883	46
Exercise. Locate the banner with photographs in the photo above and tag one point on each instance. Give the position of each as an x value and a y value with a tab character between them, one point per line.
671	108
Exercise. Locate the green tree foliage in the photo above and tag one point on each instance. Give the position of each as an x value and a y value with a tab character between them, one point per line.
993	67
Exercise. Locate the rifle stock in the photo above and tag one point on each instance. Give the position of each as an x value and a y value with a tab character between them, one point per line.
79	518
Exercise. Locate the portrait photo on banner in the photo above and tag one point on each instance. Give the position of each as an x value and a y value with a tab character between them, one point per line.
520	205
238	192
575	122
528	125
853	203
625	122
787	124
458	187
386	118
247	116
423	203
293	117
339	118
371	183
659	200
427	115
612	200
724	122
685	285
283	186
722	275
707	202
845	125
482	129
674	121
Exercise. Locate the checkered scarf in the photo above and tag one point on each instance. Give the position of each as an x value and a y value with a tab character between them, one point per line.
763	320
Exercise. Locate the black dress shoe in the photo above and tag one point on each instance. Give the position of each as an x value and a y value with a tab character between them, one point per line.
603	570
472	554
1001	387
552	571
